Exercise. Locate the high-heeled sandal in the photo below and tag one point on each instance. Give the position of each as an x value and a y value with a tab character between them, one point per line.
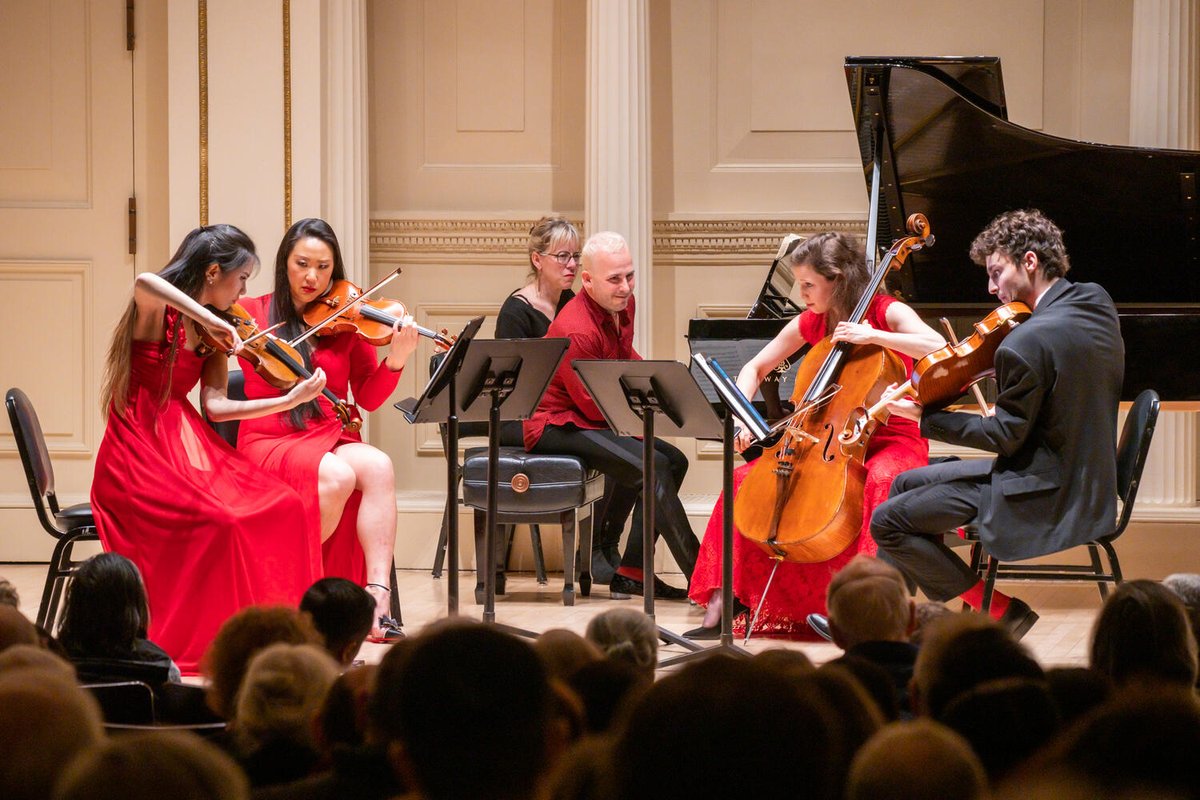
392	631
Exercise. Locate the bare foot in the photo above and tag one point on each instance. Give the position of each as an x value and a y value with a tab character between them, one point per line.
712	613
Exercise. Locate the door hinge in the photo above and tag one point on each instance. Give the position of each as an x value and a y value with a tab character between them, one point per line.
129	37
132	226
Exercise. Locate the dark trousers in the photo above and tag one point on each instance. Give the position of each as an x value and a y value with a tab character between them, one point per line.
620	458
924	504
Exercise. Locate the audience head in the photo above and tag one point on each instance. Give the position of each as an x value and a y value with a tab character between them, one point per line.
564	651
8	594
1142	636
1142	744
37	657
282	694
868	602
1006	722
171	764
465	688
553	235
342	612
858	718
1186	586
106	608
962	652
915	761
875	680
241	637
626	634
45	721
785	661
1077	691
607	271
343	717
607	688
15	629
721	725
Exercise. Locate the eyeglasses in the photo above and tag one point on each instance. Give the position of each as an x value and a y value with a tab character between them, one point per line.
564	258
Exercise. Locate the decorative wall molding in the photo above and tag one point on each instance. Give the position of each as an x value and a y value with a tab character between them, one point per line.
498	241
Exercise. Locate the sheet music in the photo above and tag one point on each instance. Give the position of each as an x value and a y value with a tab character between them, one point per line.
733	355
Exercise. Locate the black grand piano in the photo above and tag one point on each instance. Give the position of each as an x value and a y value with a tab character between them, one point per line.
935	138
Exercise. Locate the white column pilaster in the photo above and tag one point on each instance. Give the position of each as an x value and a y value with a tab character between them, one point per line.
1164	112
344	197
617	195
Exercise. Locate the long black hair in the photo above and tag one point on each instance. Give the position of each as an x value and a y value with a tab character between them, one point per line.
224	245
284	310
106	608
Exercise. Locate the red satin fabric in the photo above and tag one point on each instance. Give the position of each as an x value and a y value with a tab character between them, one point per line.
210	532
799	589
350	363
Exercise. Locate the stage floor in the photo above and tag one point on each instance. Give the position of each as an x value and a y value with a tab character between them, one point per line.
1060	637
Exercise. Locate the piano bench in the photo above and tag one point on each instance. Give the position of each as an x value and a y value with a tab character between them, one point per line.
536	489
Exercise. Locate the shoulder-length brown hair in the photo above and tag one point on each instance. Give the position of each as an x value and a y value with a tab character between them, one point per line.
840	258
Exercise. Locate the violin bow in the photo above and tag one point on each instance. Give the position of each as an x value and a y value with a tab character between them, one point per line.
263	333
339	311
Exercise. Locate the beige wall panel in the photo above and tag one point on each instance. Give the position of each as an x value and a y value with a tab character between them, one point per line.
245	110
477	106
44	61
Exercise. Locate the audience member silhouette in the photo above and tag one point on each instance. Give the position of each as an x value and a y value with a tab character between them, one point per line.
1142	636
241	637
564	651
626	634
342	612
278	704
1006	721
149	766
466	688
916	760
1077	691
962	652
105	618
45	721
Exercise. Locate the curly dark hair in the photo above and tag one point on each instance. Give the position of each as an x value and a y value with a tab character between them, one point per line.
1015	233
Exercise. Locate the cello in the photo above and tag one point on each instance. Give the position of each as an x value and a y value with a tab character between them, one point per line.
802	500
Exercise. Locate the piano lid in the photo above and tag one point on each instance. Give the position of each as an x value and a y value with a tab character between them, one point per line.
1129	215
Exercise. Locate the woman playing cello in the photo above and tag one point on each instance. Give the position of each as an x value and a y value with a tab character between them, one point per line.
209	531
348	486
832	274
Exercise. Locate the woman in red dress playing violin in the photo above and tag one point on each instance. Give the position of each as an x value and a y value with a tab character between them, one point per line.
208	529
348	486
831	271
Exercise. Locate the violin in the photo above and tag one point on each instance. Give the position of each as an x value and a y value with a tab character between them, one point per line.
802	499
944	375
275	360
344	308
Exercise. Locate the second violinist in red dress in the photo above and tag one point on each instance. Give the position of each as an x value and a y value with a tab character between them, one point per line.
348	486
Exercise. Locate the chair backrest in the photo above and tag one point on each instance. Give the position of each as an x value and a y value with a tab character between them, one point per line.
130	702
35	457
236	390
1132	450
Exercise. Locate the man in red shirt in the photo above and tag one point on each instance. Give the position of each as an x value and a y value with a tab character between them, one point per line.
599	323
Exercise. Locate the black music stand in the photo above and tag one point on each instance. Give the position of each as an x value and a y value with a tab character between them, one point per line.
432	406
630	394
503	373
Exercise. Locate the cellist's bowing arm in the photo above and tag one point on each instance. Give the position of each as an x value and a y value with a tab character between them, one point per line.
909	335
786	342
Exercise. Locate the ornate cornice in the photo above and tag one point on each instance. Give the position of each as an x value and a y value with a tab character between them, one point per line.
499	241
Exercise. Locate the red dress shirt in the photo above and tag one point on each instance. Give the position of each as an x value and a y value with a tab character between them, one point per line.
593	334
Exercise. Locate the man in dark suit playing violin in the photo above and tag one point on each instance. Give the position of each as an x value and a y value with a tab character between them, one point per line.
1052	484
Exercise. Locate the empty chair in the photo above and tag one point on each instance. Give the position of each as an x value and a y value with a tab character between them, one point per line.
68	525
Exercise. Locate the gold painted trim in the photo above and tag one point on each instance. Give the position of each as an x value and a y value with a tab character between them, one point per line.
733	241
202	27
287	113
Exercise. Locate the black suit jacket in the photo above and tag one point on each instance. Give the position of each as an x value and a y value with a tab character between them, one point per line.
1053	483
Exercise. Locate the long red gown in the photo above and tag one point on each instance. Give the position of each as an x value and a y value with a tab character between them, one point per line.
799	589
294	455
210	531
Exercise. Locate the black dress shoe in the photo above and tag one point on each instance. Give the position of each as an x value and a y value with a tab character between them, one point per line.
1018	617
702	633
628	586
820	624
